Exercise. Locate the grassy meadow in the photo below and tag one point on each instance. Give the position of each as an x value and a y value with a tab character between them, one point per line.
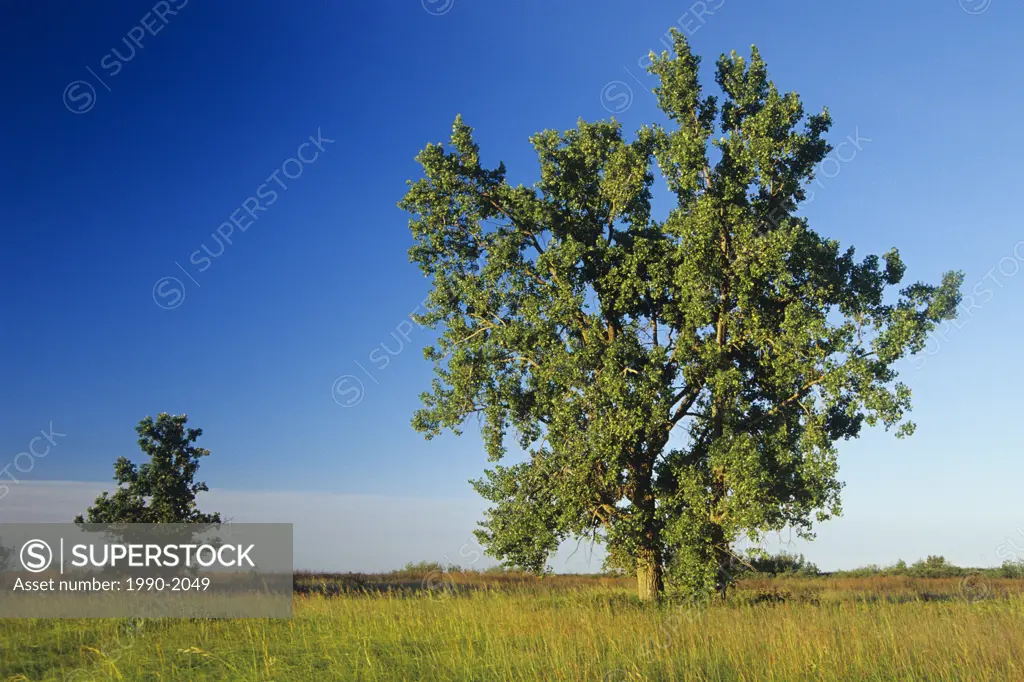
486	628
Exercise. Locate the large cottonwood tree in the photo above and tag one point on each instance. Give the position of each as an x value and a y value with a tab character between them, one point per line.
576	323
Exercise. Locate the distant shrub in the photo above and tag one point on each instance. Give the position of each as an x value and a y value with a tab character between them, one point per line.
935	567
781	564
497	570
419	570
1011	569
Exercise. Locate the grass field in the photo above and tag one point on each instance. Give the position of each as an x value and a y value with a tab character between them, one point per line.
473	627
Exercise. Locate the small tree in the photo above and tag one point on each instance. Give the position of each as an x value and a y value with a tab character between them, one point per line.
934	566
783	563
575	320
162	490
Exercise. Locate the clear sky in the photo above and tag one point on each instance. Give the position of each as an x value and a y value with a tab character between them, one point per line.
132	132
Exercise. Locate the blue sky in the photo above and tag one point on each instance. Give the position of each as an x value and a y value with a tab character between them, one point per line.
124	158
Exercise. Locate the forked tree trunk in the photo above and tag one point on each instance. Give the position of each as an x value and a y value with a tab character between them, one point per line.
649	582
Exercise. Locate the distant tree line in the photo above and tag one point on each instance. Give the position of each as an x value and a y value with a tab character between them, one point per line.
933	566
781	564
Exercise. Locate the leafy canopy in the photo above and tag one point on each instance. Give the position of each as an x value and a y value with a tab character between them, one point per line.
162	490
578	326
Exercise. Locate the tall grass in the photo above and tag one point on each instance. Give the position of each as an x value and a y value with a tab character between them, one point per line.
793	629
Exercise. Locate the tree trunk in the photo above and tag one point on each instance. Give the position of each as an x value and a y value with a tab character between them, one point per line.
722	561
649	583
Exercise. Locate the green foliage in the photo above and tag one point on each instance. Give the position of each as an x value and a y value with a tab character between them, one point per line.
580	328
932	567
420	569
162	490
1011	569
782	564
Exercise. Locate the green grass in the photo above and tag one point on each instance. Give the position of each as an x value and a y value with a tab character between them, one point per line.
799	629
